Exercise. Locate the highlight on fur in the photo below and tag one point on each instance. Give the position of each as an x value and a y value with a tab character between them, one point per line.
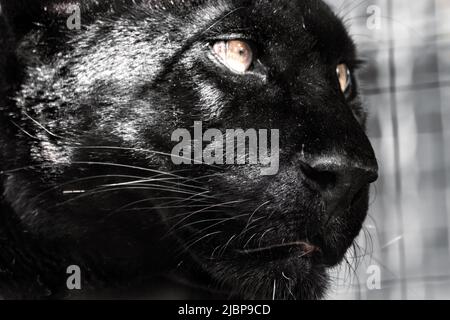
86	176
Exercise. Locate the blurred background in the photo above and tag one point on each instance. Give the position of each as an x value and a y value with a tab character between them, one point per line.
406	86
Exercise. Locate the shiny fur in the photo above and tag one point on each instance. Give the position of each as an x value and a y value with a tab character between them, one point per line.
93	110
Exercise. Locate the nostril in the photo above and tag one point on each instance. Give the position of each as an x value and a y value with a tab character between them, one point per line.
319	179
338	182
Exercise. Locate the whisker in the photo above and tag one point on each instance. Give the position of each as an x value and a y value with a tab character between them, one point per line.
274	289
166	207
262	236
223	220
59	186
217	220
180	200
154	180
248	229
205	209
127	167
24	131
251	216
41	126
73	191
202	195
142	150
248	241
226	245
202	238
100	190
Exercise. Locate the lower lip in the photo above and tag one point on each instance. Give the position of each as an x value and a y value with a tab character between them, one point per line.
284	251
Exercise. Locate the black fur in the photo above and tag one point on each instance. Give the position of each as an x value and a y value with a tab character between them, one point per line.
85	109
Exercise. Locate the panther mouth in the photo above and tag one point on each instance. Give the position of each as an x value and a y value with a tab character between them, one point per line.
298	249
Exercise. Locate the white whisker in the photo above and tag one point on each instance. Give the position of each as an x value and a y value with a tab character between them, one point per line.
274	289
41	126
73	191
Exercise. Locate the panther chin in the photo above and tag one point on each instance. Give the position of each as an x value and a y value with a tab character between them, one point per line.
284	271
272	267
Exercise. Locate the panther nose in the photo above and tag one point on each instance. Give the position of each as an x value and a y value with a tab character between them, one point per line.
338	180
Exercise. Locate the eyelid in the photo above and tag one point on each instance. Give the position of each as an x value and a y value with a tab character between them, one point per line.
236	36
231	36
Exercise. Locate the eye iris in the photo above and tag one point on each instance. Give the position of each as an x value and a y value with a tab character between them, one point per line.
343	74
235	54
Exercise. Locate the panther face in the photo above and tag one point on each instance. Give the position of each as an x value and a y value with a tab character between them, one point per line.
90	124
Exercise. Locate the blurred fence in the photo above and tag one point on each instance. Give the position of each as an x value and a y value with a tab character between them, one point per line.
406	85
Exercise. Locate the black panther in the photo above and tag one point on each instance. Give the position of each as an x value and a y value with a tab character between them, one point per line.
86	118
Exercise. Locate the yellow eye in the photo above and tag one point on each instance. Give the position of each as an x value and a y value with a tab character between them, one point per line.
344	77
236	55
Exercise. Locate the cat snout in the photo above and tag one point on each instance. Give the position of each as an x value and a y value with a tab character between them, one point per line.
338	179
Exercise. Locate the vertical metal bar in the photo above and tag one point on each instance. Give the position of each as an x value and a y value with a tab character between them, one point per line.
445	119
395	129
